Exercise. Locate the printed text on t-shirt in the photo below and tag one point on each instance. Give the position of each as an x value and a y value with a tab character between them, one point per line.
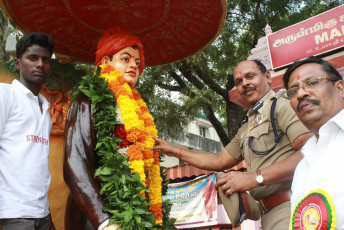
37	139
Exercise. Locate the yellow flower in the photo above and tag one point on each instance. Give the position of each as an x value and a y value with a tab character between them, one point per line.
137	166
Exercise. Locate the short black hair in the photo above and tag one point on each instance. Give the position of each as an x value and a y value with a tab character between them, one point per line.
35	38
326	66
260	65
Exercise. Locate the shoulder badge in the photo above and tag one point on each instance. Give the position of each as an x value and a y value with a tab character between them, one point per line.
281	93
245	120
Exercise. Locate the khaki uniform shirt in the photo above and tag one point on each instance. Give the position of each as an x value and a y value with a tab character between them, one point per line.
260	128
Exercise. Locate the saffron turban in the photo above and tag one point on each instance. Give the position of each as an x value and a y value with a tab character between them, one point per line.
114	40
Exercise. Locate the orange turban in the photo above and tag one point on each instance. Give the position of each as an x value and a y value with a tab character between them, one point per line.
114	40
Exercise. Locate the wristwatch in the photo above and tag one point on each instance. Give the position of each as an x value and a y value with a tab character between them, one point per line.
259	177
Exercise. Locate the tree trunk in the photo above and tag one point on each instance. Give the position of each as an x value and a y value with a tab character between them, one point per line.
3	36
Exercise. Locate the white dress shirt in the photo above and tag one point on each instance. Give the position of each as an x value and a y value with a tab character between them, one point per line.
323	167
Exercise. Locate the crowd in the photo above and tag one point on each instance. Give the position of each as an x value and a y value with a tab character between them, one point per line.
290	140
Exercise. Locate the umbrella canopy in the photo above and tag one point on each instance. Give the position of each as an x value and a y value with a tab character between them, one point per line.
170	30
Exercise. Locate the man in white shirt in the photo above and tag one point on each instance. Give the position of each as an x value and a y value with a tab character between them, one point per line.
316	93
24	139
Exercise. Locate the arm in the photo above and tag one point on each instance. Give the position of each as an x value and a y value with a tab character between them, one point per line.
279	172
207	161
79	164
283	171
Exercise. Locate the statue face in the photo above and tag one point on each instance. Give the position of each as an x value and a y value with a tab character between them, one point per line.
127	62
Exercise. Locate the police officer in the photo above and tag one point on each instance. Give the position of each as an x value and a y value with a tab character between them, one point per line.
269	141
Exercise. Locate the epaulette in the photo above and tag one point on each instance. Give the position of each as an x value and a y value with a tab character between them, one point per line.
281	93
245	120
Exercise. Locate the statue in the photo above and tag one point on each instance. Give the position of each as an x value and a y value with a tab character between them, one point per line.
113	175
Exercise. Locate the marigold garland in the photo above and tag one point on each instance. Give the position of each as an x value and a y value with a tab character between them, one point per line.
139	127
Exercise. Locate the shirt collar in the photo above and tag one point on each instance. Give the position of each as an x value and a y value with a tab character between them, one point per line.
21	87
311	143
337	119
28	92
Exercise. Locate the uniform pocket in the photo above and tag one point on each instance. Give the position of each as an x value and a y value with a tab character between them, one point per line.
262	137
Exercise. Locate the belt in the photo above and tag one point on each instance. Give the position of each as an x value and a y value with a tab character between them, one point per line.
271	201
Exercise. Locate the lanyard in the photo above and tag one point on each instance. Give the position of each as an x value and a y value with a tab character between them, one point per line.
277	136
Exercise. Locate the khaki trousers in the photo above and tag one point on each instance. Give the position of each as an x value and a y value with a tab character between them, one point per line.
278	218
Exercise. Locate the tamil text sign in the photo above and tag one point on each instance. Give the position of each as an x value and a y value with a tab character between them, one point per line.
320	34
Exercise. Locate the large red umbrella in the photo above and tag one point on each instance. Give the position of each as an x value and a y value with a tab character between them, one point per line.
170	30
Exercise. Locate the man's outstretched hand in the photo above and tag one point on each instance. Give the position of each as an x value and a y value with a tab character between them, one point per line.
165	147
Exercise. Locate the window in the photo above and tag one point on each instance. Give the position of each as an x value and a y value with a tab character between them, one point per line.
202	131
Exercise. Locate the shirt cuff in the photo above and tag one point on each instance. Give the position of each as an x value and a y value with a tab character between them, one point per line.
105	223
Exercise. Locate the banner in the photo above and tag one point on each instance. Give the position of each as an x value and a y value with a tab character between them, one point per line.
194	202
314	36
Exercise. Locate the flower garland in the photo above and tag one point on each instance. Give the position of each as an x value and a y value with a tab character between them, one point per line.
139	127
121	189
314	211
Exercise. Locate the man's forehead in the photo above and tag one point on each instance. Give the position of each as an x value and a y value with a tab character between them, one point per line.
245	67
306	70
34	48
128	50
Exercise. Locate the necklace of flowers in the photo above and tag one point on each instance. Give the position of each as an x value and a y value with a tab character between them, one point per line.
139	127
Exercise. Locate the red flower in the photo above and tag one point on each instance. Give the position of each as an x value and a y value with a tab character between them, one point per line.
121	134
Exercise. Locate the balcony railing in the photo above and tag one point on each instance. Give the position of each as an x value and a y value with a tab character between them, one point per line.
191	140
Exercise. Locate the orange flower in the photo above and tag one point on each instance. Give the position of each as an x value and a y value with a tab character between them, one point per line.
156	210
107	69
148	122
156	158
134	152
134	135
148	154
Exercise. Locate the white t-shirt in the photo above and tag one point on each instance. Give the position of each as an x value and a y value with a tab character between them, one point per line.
24	152
323	167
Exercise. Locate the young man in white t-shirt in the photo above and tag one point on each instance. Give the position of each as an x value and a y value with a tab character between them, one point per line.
24	139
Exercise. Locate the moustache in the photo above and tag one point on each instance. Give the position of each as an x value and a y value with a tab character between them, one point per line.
249	88
313	101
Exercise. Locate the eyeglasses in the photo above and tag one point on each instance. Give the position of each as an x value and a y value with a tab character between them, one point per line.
308	84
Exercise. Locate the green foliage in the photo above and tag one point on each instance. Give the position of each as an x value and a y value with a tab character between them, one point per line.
63	77
245	24
120	187
10	67
169	115
168	223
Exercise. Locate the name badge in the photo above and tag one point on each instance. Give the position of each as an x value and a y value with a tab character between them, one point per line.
259	120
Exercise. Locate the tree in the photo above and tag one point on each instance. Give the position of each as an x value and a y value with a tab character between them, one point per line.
4	31
205	79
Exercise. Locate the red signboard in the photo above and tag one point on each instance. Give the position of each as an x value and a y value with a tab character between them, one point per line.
320	34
